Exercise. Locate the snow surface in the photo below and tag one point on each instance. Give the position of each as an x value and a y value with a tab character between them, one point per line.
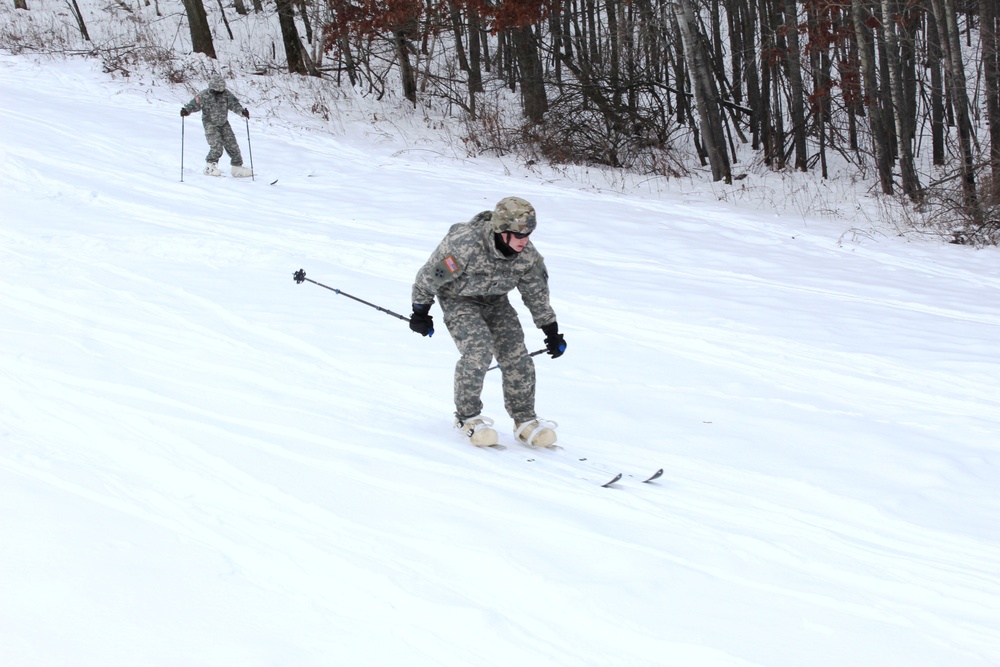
205	463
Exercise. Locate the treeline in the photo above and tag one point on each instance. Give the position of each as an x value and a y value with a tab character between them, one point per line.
907	91
890	85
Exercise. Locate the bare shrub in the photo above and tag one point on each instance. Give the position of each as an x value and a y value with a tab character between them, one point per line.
573	135
493	132
976	224
35	32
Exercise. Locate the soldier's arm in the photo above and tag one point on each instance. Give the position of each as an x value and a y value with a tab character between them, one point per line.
534	289
194	104
234	104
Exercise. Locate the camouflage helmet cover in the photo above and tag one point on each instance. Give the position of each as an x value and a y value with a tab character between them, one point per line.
217	83
513	214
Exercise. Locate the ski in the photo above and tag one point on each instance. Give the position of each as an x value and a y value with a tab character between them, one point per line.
614	479
655	475
581	462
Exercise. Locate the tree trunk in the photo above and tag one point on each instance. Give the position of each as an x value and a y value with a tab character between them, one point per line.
951	47
989	18
294	52
201	34
819	64
475	54
614	53
866	52
533	100
793	69
905	122
407	75
304	12
752	69
225	21
936	92
705	92
884	82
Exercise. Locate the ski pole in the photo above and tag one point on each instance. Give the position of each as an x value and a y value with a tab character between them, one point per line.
533	354
300	276
182	149
250	150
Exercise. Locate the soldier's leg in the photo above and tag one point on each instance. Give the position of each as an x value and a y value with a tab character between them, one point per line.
516	365
465	323
214	138
232	148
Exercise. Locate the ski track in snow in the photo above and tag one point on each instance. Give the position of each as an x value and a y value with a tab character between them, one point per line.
202	462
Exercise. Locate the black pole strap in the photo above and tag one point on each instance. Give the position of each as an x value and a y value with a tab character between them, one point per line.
300	277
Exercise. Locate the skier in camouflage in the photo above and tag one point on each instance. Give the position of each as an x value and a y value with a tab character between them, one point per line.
215	103
473	269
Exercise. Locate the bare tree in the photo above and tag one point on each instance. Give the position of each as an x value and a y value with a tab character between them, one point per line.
401	41
706	93
75	8
201	34
988	20
793	67
904	108
866	52
533	100
951	47
937	98
296	56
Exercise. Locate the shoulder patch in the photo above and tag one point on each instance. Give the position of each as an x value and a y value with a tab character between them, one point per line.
445	271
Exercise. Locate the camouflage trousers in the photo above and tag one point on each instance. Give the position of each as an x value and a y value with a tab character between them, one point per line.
483	328
221	137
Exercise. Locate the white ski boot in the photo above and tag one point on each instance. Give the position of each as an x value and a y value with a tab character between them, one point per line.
537	432
479	430
239	171
212	169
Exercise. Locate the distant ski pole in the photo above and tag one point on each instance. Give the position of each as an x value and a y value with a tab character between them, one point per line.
182	149
300	276
250	151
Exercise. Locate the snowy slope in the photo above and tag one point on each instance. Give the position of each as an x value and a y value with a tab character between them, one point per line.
204	463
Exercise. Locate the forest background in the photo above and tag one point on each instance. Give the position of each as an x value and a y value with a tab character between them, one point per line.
900	94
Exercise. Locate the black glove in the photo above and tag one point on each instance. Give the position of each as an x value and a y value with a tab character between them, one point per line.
185	112
555	344
246	113
421	321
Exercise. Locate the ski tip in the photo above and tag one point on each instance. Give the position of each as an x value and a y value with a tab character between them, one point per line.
274	181
611	481
655	475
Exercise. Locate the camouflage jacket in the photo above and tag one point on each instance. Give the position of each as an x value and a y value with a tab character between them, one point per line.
214	107
467	264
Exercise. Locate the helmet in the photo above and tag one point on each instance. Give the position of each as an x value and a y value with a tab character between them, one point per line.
513	214
217	84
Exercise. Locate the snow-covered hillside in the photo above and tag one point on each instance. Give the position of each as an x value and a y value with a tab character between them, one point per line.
205	463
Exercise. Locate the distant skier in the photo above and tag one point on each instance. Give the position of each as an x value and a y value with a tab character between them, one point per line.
473	269
215	103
